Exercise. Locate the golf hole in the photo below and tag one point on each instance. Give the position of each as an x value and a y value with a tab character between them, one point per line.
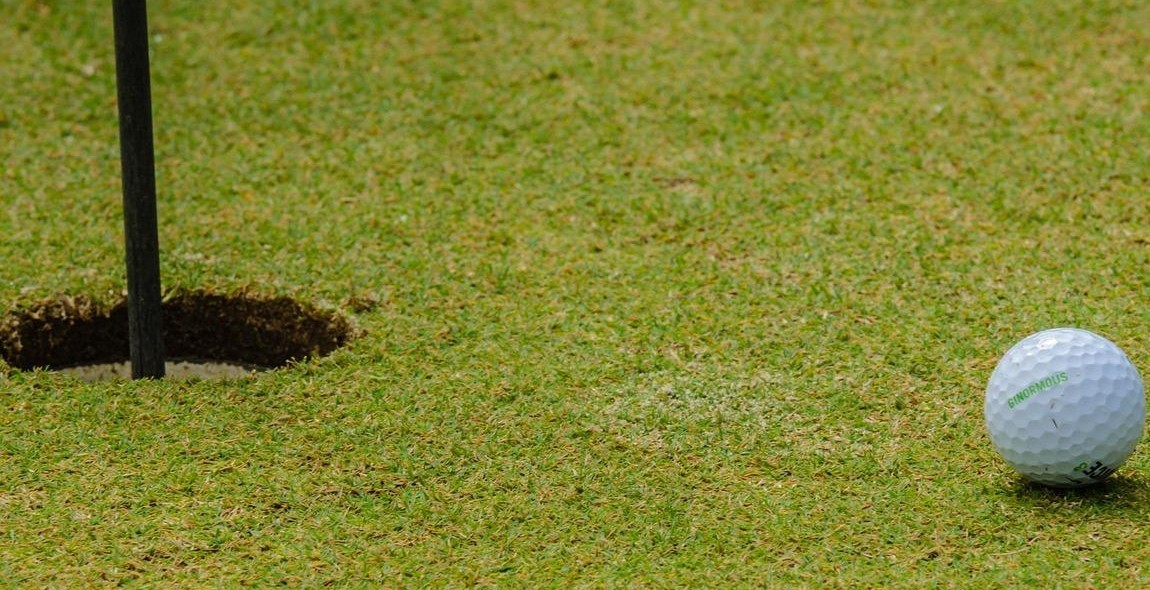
206	335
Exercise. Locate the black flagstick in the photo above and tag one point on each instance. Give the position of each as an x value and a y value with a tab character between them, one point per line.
137	161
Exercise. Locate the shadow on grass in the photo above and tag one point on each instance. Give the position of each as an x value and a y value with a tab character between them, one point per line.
1117	492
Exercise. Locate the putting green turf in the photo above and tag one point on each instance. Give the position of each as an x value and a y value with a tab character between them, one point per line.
666	294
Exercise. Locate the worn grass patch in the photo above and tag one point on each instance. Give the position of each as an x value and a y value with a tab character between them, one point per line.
655	293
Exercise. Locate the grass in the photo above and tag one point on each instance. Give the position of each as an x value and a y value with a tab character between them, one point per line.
670	294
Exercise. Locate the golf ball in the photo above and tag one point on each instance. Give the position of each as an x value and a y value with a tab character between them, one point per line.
1065	407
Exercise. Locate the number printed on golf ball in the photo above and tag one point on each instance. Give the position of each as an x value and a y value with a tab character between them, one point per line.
1065	407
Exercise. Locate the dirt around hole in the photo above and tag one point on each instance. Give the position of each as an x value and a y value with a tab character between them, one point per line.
242	329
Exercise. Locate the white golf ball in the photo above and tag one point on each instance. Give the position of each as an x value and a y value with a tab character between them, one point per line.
1065	407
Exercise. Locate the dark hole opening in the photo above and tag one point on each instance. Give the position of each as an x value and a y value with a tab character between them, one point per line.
244	329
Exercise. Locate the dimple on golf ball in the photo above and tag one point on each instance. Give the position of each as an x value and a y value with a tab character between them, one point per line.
1065	407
